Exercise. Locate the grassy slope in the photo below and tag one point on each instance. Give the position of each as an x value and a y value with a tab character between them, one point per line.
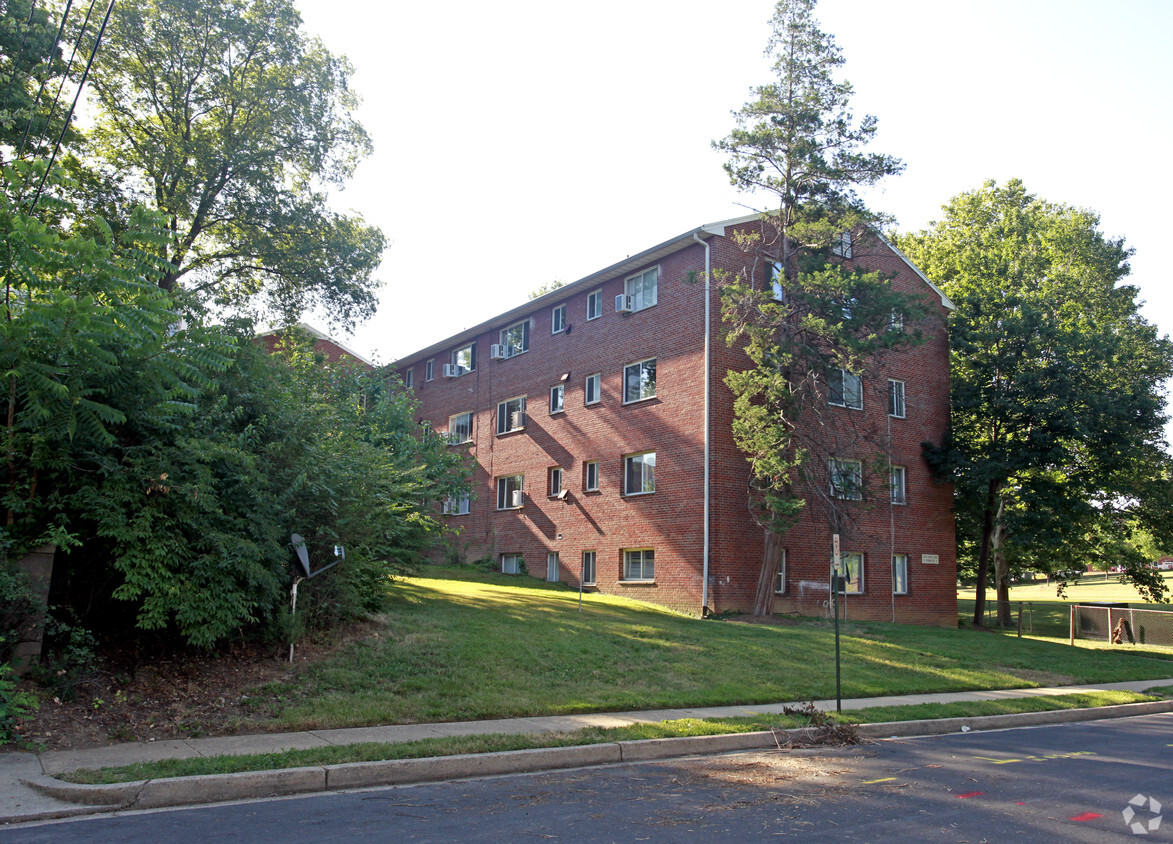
486	646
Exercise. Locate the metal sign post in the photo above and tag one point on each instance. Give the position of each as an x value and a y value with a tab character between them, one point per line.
304	558
836	579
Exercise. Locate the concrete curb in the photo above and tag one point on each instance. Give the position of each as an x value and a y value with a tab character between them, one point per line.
213	788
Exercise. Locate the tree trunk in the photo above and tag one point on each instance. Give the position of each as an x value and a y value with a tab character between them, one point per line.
1001	567
979	604
763	601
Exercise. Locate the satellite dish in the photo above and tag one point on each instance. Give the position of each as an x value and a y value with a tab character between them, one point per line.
302	554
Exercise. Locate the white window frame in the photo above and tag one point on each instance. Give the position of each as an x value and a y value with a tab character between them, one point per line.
646	470
558	319
841	245
845	389
775	280
457	505
553	567
510	415
643	288
589	565
461	369
896	320
590	478
430	370
852	563
899	574
515	338
896	406
780	580
557	398
898	483
554	480
511	564
454	425
409	377
594	304
597	379
640	367
644	559
506	486
850	471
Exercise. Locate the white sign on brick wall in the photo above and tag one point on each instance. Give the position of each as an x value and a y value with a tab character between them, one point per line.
929	559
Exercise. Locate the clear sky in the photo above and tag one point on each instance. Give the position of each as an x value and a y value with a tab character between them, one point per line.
522	141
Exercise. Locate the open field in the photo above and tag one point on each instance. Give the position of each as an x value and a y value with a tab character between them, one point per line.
1051	614
465	645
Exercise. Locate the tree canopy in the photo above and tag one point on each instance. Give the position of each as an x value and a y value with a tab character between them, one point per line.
810	318
1057	447
230	121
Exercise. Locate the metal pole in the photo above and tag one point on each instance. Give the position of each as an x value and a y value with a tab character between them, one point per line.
835	604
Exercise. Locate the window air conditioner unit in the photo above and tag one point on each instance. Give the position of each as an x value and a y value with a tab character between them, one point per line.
449	370
518	498
498	351
518	419
623	304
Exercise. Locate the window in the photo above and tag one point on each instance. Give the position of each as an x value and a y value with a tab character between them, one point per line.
639	381
841	245
588	568
642	288
511	564
896	321
456	505
780	581
557	398
896	474
639	473
409	378
590	476
511	415
775	278
510	491
845	389
551	566
594	304
430	370
851	565
896	398
554	481
460	428
849	306
900	574
515	338
558	319
465	359
639	564
593	392
846	478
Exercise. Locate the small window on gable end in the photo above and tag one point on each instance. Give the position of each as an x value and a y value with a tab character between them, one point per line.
594	304
775	280
558	320
841	245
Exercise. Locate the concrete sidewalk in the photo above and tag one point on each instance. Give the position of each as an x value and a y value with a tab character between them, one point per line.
28	792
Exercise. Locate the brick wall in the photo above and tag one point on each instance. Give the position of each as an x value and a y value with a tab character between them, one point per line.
671	424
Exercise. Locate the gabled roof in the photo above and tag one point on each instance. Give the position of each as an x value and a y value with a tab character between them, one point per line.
628	264
318	336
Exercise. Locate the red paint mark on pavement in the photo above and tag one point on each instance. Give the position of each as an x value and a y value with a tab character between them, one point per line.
1019	803
1087	816
971	794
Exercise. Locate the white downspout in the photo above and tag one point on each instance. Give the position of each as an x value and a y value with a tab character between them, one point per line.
708	389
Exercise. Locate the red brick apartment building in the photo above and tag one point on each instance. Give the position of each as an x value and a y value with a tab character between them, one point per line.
330	349
585	412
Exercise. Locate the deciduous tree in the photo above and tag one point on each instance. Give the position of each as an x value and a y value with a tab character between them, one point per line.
1057	447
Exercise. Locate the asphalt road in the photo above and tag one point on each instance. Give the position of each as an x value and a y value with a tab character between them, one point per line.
1061	783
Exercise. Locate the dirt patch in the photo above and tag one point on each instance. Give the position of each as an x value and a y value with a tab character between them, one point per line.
173	696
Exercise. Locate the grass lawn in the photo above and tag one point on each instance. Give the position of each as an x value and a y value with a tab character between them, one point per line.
1051	614
463	645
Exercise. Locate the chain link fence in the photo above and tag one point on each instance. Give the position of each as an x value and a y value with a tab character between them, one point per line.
1120	624
1010	615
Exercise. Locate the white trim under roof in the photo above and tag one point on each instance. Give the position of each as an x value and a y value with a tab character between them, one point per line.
629	264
